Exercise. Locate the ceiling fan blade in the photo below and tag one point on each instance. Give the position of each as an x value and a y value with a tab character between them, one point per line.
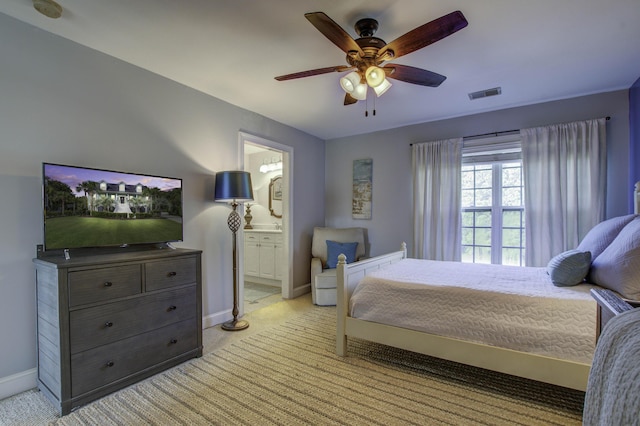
413	75
426	34
333	32
348	99
309	73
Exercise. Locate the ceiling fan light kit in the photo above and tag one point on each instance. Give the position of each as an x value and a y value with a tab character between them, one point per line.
366	55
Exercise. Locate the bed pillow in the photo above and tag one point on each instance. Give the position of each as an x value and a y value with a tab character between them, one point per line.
569	268
334	249
601	235
618	267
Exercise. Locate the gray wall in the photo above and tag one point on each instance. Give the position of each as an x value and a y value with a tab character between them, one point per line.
391	221
634	135
61	102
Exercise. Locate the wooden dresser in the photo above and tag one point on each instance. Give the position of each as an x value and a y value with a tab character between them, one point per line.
109	319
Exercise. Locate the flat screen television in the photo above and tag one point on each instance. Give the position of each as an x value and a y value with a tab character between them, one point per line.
85	207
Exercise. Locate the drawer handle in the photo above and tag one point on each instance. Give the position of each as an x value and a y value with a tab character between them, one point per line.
108	324
171	274
173	341
108	284
172	308
109	364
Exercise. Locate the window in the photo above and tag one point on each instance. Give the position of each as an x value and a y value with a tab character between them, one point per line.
493	227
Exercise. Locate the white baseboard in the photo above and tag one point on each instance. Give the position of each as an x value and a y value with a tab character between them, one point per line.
19	382
301	290
217	318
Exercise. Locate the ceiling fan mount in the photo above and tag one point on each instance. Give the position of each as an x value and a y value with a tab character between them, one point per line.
365	55
366	27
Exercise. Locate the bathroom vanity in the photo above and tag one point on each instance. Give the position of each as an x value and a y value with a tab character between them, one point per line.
263	256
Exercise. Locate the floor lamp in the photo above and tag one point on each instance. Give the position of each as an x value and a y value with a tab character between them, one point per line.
234	187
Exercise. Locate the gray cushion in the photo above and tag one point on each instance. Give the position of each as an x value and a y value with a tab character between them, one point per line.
601	235
618	267
326	279
569	268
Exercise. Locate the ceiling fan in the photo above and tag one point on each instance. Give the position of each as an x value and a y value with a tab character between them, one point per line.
367	54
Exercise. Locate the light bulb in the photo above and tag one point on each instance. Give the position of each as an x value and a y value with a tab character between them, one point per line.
347	86
375	76
360	92
350	81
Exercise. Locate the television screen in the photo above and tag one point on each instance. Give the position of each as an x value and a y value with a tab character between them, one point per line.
86	207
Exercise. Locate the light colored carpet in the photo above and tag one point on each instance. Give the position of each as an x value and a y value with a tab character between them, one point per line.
289	375
29	408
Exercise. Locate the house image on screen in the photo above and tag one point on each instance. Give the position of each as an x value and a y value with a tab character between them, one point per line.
123	197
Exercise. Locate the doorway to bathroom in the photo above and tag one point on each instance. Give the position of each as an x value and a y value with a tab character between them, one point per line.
265	238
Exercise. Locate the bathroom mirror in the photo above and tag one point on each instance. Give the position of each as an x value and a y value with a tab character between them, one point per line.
275	197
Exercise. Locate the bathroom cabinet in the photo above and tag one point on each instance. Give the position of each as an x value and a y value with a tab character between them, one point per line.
263	257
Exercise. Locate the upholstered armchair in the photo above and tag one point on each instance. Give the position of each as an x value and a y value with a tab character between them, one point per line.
349	241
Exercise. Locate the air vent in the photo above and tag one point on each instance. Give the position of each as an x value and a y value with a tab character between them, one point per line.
485	93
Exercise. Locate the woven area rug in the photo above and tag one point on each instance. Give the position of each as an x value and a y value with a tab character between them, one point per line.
290	375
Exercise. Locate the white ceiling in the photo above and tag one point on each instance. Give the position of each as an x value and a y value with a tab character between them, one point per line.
232	49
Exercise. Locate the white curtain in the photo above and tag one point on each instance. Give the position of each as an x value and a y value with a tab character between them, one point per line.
437	168
565	175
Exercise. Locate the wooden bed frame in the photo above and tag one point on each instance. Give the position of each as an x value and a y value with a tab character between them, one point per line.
560	372
556	371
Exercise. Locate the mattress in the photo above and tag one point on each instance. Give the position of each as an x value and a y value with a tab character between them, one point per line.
506	306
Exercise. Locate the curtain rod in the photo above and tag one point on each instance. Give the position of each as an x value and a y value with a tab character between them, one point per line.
504	132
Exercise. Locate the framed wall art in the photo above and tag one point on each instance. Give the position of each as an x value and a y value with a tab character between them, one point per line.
362	188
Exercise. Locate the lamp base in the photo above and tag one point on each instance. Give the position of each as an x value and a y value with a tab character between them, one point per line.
235	325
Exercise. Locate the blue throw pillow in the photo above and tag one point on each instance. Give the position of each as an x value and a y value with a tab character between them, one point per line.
334	249
569	268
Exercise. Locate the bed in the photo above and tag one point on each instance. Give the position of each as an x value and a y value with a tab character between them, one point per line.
529	346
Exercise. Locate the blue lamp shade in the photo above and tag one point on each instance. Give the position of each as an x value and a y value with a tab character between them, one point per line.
233	186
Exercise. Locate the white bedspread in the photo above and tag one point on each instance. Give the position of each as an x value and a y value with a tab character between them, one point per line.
506	306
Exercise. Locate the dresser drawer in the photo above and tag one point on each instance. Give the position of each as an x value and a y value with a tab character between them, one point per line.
105	364
107	323
97	285
170	273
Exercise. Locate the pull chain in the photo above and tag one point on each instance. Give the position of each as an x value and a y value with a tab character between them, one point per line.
366	103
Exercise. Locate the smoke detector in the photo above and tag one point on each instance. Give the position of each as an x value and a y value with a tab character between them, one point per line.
48	8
